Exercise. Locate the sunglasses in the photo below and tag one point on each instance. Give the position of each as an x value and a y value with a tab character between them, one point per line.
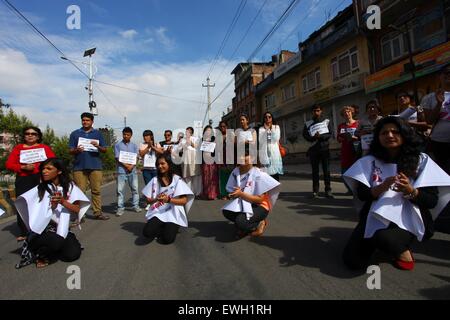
31	133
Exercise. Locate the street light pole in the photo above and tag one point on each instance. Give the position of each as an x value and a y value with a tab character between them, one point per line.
92	104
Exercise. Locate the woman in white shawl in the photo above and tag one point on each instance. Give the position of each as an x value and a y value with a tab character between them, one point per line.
253	195
46	211
170	200
403	191
191	166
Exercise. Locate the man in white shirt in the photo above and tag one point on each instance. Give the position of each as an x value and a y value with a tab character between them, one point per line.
437	112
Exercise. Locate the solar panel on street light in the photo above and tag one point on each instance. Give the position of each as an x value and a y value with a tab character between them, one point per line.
89	52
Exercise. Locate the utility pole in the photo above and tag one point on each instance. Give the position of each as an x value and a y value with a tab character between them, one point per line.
125	121
209	98
92	104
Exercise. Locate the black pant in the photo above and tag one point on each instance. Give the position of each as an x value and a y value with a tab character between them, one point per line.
23	184
359	250
165	231
441	154
52	246
240	218
276	176
316	157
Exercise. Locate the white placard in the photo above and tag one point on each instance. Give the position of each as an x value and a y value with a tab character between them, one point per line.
246	135
32	156
86	144
366	140
208	146
127	157
150	160
321	128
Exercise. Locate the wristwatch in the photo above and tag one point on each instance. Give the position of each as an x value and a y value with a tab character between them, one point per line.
411	195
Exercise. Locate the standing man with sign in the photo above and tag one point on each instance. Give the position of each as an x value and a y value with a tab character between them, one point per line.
126	153
24	160
86	144
317	131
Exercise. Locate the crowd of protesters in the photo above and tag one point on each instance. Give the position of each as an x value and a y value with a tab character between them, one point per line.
398	161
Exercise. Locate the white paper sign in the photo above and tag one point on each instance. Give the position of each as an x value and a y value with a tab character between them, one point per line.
208	146
321	128
127	157
32	156
366	140
86	144
150	160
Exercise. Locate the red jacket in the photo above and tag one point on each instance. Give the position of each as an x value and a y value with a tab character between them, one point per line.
13	162
348	157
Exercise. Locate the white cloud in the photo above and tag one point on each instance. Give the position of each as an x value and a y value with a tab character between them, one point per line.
50	91
128	34
55	94
160	34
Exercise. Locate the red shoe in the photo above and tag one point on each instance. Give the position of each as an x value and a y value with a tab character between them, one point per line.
405	265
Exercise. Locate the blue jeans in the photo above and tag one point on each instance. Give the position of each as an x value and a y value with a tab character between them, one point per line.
132	180
148	175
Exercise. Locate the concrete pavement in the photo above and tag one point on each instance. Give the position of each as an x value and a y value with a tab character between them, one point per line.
297	258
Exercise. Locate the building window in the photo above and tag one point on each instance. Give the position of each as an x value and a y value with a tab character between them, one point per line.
393	46
288	92
429	29
269	101
344	64
311	80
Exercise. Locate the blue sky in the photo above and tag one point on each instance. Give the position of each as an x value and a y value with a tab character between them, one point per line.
164	47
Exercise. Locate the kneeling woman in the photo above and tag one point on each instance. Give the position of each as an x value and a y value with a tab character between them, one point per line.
399	187
46	211
170	200
253	195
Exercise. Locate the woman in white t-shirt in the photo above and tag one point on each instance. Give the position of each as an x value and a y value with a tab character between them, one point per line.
269	150
148	152
245	136
170	200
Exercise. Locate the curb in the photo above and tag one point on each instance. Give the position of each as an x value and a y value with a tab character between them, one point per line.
335	177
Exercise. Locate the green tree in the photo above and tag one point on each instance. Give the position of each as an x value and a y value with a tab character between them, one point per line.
13	123
49	137
62	151
108	159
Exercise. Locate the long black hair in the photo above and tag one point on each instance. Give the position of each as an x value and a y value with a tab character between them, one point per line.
212	138
64	178
149	133
408	158
264	117
168	158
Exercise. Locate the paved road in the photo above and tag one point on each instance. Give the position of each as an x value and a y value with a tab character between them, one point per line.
297	258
